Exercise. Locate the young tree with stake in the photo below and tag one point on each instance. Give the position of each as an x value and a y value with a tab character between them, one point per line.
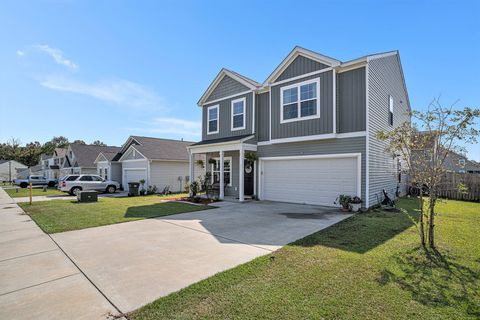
424	147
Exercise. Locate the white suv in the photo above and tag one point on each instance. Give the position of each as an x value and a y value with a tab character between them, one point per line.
75	183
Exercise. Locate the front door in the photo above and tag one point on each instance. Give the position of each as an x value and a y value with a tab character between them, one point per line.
248	178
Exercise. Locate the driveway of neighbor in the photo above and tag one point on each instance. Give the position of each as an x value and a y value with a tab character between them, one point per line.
137	262
37	280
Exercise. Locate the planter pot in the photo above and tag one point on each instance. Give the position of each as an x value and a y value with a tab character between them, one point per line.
355	206
345	209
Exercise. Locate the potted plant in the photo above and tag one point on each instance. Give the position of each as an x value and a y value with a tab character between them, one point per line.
355	204
200	163
251	157
142	190
344	201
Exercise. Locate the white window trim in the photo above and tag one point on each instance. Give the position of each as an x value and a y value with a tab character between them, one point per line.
298	85
218	119
244	114
224	159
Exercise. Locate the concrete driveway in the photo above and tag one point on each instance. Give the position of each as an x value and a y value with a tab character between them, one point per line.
137	262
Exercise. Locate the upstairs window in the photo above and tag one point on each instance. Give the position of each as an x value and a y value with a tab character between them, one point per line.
238	114
390	110
300	101
461	163
212	119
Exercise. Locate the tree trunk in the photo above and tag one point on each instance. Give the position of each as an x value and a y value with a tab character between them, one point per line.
431	224
422	223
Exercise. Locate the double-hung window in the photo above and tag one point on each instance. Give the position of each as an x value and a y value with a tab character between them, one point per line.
238	114
390	110
227	170
300	101
212	119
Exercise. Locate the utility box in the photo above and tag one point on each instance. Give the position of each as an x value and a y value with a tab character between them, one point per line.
133	188
87	196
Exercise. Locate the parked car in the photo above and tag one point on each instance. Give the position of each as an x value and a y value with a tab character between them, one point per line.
36	180
75	183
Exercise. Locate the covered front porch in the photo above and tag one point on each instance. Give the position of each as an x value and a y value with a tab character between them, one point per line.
233	174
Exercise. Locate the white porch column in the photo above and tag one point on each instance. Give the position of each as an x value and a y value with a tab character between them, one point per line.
255	178
191	167
222	176
241	169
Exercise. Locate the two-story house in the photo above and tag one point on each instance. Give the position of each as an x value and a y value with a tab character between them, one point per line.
80	158
312	126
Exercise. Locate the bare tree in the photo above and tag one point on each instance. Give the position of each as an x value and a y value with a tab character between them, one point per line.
425	145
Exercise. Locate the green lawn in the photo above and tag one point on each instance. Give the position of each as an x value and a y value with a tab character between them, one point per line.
25	192
369	266
62	215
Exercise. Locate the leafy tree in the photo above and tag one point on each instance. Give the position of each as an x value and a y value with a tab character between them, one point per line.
99	143
424	147
30	154
56	142
79	142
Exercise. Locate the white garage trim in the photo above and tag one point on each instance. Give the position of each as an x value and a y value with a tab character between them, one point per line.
358	156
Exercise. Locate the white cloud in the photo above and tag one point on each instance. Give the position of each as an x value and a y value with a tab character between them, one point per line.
20	53
172	126
117	91
56	55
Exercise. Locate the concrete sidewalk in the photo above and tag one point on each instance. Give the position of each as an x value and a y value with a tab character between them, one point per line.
37	280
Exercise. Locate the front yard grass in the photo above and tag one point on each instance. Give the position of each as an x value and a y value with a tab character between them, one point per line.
369	266
61	215
25	192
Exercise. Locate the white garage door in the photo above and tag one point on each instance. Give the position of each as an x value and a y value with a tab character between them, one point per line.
312	181
133	175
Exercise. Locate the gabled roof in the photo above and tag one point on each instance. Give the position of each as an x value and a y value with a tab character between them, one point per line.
85	154
108	155
60	152
297	51
249	83
161	149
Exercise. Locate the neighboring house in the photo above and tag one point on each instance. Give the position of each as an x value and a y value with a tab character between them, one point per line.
108	166
9	169
458	163
312	125
160	162
33	170
80	158
51	164
454	162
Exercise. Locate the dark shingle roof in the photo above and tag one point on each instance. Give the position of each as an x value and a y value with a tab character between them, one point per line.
226	139
85	154
162	149
112	156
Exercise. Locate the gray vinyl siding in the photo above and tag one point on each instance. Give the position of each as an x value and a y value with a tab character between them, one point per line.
351	101
230	190
301	65
321	125
227	87
262	107
225	118
384	79
319	147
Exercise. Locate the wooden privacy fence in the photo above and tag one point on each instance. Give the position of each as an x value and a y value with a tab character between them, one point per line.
450	182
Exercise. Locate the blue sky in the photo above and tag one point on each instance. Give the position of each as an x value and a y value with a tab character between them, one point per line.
109	69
